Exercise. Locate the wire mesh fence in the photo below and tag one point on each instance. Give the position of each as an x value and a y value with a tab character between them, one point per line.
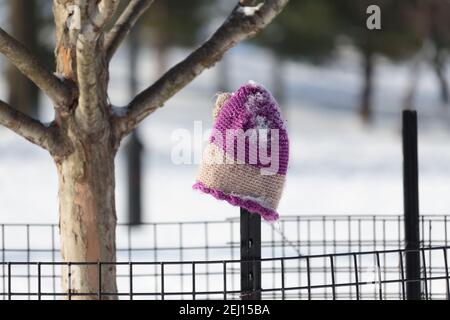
359	275
303	257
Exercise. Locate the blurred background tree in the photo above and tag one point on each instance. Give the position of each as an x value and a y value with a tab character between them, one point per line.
396	40
134	145
414	32
439	26
313	31
27	21
305	31
167	24
173	23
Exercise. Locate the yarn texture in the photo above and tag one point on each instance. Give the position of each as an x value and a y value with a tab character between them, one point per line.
246	160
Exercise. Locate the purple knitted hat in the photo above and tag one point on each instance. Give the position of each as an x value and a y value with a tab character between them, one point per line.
246	159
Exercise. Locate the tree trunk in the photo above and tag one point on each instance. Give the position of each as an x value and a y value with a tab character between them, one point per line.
86	175
88	220
366	111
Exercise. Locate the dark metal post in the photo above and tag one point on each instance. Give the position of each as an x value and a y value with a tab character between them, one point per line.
411	204
250	251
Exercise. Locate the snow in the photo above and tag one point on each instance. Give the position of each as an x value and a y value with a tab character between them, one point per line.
337	166
250	10
60	76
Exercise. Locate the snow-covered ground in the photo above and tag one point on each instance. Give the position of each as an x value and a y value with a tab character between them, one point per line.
337	166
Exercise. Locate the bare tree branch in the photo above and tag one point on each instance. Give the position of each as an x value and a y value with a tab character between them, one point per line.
243	23
30	66
104	11
31	129
124	24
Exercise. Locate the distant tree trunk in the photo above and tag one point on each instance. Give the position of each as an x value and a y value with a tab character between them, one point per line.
134	145
366	109
408	100
162	57
161	40
279	85
438	63
414	75
223	75
134	150
24	26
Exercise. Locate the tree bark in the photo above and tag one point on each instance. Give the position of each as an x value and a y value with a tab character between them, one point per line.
88	220
86	176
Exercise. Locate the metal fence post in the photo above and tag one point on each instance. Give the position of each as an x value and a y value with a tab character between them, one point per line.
411	204
250	251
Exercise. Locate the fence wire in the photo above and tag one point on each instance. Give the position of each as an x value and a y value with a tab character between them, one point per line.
304	257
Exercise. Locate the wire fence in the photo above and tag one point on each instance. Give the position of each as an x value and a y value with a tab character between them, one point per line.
359	275
304	257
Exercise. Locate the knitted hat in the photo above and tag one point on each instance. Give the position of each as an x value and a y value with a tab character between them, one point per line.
245	161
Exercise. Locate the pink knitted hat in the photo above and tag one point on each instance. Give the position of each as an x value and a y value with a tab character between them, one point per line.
246	159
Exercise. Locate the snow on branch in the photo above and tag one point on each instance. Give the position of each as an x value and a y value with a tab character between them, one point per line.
250	10
31	67
238	26
124	24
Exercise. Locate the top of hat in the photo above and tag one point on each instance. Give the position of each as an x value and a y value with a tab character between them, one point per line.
252	107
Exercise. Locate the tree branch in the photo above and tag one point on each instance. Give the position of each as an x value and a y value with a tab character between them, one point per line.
104	11
31	129
30	66
243	23
124	24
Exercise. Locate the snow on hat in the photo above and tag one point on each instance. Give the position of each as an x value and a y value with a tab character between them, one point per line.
246	159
